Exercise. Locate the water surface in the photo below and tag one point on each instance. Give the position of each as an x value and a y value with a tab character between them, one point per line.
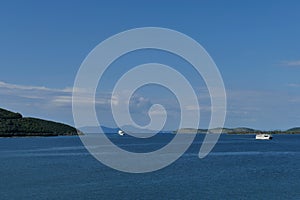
239	167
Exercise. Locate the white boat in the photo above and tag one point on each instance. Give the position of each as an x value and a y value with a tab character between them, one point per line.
263	137
120	132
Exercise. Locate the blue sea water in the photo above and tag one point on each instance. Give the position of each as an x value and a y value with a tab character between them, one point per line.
239	167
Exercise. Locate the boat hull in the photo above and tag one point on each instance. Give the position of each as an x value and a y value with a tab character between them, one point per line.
263	137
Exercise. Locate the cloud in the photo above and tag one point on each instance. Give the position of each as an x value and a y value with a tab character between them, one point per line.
157	111
294	85
140	104
33	94
292	63
243	105
53	96
31	88
50	103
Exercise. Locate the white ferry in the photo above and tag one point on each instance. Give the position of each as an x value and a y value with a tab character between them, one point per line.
121	133
263	137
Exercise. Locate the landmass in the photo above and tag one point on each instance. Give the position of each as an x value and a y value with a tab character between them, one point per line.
15	125
96	129
240	130
109	130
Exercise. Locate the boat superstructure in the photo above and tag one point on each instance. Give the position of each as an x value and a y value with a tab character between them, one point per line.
263	137
120	132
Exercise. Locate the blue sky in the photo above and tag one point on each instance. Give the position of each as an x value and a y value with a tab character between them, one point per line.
255	45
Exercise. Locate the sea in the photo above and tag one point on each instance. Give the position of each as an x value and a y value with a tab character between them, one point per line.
239	167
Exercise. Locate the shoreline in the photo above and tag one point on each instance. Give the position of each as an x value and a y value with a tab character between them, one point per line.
169	133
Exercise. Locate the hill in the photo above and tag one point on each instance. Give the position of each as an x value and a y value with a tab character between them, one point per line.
240	130
14	124
126	128
95	129
295	130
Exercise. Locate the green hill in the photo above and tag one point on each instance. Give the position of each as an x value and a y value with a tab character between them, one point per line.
240	130
14	124
5	114
295	130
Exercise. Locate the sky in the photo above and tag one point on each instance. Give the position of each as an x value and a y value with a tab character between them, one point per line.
255	44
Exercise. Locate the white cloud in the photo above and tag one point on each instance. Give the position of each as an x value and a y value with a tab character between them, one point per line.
292	63
192	107
25	87
243	105
295	85
51	96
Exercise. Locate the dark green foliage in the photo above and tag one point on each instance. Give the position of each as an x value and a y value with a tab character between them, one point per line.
241	130
294	130
13	124
5	114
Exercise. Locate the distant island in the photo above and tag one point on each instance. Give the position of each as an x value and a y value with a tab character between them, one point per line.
15	125
241	130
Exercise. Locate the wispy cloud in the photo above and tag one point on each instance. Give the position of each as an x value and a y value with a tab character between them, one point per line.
243	105
53	96
31	88
292	63
48	103
294	85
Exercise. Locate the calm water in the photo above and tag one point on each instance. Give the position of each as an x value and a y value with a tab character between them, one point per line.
239	167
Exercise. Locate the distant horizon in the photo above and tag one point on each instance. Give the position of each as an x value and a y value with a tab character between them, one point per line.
165	130
116	127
